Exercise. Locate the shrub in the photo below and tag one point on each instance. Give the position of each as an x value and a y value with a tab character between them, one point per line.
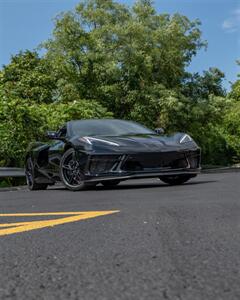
22	123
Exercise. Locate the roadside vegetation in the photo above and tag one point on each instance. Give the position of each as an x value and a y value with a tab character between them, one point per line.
105	59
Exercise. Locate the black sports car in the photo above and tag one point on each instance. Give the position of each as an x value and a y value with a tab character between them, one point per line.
87	152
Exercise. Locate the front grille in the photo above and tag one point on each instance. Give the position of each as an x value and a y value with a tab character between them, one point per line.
147	161
103	163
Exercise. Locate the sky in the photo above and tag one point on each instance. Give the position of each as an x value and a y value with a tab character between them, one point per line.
24	24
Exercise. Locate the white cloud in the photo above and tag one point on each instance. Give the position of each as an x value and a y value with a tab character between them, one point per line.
232	24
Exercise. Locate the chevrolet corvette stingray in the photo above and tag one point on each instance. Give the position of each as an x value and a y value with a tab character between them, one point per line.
85	153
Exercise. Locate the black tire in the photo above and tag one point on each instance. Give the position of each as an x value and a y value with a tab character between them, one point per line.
30	177
175	180
70	173
110	183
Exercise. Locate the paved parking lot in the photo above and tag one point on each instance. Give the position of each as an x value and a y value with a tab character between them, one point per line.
140	240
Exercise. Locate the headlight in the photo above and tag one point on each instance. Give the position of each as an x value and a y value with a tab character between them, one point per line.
89	140
185	139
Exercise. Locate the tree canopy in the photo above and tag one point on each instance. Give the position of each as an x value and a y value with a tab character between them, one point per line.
28	77
108	52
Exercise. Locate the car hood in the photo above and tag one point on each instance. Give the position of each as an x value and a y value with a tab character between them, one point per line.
137	143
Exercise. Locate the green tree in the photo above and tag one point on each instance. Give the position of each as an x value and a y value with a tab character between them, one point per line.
22	123
231	121
199	87
59	113
231	130
235	91
28	77
109	52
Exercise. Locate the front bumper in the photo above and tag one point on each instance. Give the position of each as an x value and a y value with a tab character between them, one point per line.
101	167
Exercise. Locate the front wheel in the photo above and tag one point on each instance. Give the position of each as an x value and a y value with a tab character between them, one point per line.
175	180
70	173
30	177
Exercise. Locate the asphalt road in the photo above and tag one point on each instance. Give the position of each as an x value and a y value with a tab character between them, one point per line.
164	243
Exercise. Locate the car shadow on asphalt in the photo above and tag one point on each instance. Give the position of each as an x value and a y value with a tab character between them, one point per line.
129	186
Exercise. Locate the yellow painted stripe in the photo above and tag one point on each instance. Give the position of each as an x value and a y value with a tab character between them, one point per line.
27	226
51	213
14	224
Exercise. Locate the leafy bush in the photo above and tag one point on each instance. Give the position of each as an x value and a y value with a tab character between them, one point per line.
19	124
231	129
22	123
59	113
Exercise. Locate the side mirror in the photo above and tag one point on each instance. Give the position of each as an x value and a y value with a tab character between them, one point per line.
159	130
52	135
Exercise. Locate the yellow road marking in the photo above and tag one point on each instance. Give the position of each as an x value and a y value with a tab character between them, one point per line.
32	225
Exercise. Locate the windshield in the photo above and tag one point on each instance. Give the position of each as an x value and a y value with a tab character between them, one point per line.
107	127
